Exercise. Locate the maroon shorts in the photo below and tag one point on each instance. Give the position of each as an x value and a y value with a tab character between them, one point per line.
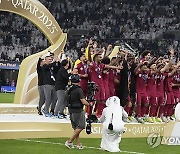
111	91
160	99
128	99
84	88
107	92
169	98
142	99
152	98
100	95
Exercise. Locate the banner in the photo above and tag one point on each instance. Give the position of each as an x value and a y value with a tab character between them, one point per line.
8	89
171	134
9	65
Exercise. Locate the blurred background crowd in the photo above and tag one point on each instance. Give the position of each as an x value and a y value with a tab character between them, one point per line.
152	25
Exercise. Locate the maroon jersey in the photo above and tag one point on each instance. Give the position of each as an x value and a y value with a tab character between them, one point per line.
83	69
160	83
96	73
167	83
141	82
111	82
117	85
151	83
106	84
111	78
176	80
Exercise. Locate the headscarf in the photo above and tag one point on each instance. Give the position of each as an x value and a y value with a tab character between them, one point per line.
114	108
113	101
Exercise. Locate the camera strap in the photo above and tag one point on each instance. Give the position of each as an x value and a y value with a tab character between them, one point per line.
111	118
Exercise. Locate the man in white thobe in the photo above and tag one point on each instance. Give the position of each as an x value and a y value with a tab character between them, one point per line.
112	114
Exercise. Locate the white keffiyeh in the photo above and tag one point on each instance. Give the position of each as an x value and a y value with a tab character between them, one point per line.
111	138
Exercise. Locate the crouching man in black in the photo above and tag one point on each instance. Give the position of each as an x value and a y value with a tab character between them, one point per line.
76	101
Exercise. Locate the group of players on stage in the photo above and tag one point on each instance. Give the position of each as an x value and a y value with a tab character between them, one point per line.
148	87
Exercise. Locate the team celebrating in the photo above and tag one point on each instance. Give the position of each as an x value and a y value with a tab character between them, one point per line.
148	86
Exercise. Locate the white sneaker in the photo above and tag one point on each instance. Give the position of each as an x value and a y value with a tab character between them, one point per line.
164	119
80	147
126	120
69	145
140	120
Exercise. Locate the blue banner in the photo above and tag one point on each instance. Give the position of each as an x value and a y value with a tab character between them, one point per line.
9	65
8	89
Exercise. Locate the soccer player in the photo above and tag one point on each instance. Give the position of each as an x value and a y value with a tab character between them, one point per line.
83	71
96	70
106	78
169	95
176	86
112	74
142	98
151	92
160	95
146	55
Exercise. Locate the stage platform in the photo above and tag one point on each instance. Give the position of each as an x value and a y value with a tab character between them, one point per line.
17	109
22	121
34	126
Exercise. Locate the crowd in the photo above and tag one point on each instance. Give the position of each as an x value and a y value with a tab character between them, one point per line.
147	85
144	81
19	38
139	23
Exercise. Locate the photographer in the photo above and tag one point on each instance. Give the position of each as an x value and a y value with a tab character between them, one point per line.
113	125
76	101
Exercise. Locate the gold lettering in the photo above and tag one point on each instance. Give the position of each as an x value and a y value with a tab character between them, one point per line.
29	8
20	3
25	4
15	4
35	10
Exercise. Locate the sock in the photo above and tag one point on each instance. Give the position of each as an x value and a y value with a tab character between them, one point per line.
170	110
153	110
131	111
166	108
139	111
160	110
145	110
127	109
100	108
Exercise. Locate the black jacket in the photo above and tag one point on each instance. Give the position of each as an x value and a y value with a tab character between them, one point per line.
40	73
123	88
133	83
62	79
49	71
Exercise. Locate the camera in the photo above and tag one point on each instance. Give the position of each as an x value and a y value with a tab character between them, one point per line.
92	89
88	128
91	118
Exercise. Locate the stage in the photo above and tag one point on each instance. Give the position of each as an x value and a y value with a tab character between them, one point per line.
22	121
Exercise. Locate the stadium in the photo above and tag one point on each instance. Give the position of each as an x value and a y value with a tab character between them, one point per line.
89	76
